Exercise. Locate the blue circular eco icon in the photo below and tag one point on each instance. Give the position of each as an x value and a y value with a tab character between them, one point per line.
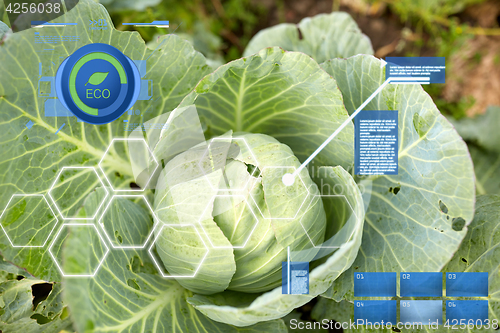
98	83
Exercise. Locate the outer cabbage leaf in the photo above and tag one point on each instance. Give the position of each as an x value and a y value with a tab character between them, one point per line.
128	295
482	136
415	220
283	94
34	157
482	129
480	249
7	269
245	309
3	28
487	169
323	37
20	314
479	252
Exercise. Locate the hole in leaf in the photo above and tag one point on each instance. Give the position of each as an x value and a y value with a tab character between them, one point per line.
118	237
300	33
442	207
395	329
457	223
138	266
19	277
133	283
253	170
464	260
394	190
135	186
40	292
40	319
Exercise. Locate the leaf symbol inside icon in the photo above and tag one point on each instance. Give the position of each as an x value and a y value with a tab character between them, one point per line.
97	78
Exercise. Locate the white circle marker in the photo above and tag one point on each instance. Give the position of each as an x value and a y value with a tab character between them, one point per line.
288	179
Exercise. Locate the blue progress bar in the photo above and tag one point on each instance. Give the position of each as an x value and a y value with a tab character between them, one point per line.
164	24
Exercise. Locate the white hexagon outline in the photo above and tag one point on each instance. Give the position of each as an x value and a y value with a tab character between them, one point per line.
79	225
327	196
206	152
150	176
249	235
300	207
158	266
29	195
78	218
128	246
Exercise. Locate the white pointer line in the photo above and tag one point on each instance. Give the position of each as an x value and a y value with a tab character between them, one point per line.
288	270
341	127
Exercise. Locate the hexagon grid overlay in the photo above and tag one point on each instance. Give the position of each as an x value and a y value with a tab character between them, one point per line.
157	261
273	175
215	155
252	214
82	258
70	188
19	227
125	232
333	232
137	157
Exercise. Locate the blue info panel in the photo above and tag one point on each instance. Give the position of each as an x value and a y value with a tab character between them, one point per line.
422	70
297	283
421	284
375	284
376	143
371	312
467	284
424	312
466	310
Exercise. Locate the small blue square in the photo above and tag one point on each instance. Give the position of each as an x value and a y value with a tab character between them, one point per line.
29	124
297	283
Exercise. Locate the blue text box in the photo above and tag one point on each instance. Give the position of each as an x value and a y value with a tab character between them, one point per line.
421	284
297	283
415	69
375	284
425	312
371	312
467	284
376	142
467	310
